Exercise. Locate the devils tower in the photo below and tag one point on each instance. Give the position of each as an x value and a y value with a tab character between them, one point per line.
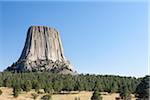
42	51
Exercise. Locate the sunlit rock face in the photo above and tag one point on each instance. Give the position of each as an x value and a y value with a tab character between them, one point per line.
42	43
43	51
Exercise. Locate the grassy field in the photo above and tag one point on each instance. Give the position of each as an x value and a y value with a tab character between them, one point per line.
83	95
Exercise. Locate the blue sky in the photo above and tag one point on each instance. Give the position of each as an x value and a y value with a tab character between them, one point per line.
98	37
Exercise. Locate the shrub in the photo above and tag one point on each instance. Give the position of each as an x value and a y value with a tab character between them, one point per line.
125	93
16	90
48	89
36	85
34	95
142	90
46	97
96	96
27	86
1	92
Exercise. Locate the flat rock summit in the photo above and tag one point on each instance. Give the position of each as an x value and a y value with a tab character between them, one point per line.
43	51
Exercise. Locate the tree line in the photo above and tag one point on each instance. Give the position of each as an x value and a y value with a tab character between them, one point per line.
55	83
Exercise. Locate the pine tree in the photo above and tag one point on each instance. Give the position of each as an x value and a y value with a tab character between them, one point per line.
36	85
48	88
27	86
98	86
143	88
114	87
79	86
96	96
1	92
125	93
16	90
58	85
68	83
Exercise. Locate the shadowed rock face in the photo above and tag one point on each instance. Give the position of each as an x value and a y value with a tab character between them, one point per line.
42	52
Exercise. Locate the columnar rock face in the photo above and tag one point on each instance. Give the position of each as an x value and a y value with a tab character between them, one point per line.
42	52
42	43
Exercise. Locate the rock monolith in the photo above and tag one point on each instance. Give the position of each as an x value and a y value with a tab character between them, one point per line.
43	51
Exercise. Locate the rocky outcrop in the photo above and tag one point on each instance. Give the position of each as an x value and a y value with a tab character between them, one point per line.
42	43
42	52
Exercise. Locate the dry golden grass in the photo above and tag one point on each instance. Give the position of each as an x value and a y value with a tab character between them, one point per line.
84	95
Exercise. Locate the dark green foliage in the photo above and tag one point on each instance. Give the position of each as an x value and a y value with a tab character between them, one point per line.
1	81
48	88
16	90
36	85
68	83
96	96
46	97
57	82
1	92
26	86
98	86
57	86
7	82
125	93
143	88
114	87
79	86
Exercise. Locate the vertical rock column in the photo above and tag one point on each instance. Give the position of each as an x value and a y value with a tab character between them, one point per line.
42	43
43	51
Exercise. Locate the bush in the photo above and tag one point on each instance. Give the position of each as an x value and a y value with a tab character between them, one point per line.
96	96
27	86
16	90
1	92
46	97
142	90
36	85
125	93
34	95
48	89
